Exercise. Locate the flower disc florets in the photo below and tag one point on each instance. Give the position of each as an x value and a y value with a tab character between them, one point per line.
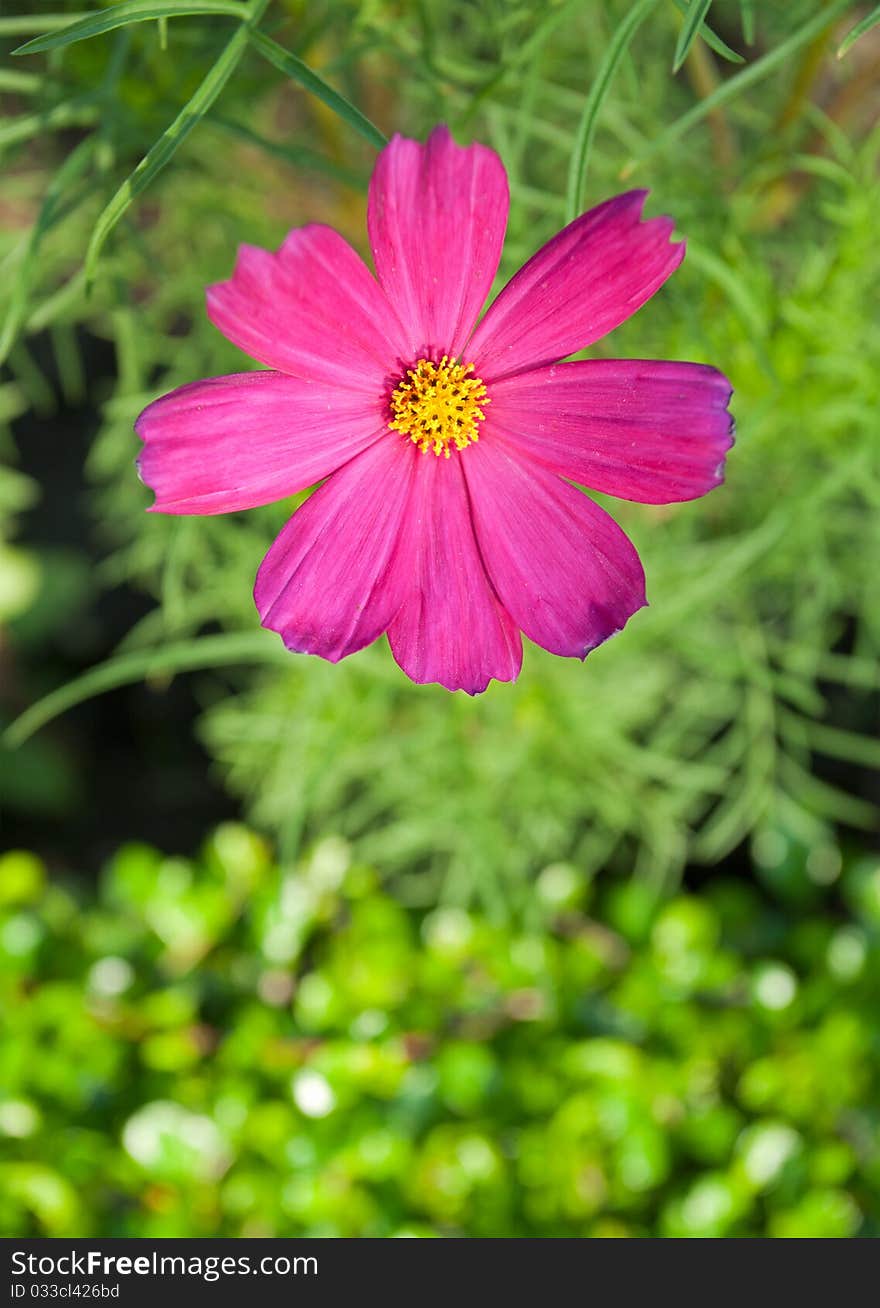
438	406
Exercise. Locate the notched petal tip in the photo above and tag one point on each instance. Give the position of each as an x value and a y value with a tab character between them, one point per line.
439	136
727	444
142	422
473	691
140	430
660	225
138	467
663	227
155	507
633	199
246	257
305	645
442	132
454	685
603	640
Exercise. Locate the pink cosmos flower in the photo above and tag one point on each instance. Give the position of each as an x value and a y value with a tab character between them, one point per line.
448	518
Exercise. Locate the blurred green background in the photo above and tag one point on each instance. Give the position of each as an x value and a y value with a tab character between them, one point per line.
290	949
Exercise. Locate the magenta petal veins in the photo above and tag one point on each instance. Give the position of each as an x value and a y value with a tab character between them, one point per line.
270	436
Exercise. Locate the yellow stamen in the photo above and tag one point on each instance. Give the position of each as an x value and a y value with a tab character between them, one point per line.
438	406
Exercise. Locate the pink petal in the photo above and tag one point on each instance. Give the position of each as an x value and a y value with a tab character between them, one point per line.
653	432
436	217
562	568
329	584
581	285
451	629
234	442
312	310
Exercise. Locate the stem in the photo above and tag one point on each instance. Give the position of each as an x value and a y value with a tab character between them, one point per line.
808	69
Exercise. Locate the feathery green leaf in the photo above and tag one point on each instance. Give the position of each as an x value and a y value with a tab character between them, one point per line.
181	656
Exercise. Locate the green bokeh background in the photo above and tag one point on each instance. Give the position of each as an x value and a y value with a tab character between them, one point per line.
591	955
222	1047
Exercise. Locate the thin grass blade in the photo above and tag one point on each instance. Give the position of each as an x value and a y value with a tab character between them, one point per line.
75	164
712	39
74	113
693	21
15	24
295	69
580	155
130	11
169	142
747	16
300	156
735	85
860	30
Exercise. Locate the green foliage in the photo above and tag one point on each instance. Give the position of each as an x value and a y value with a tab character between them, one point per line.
713	40
580	156
295	69
130	11
18	570
861	29
469	996
691	27
704	719
220	1046
161	152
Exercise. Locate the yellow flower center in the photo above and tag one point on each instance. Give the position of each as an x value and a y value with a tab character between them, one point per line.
438	406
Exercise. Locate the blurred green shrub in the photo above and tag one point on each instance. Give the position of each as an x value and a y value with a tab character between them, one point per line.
222	1047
